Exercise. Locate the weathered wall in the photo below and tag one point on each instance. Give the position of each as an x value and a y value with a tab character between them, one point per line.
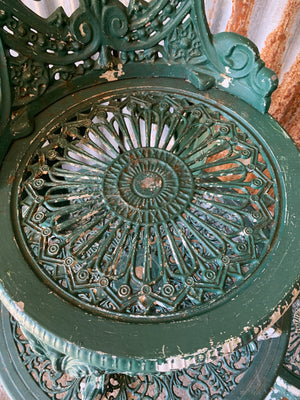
274	25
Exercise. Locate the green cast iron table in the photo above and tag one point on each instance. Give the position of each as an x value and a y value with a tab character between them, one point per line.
147	211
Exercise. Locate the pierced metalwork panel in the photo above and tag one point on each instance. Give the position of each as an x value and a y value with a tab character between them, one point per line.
146	204
292	357
213	380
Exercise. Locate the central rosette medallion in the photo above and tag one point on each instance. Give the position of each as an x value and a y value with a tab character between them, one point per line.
147	185
146	204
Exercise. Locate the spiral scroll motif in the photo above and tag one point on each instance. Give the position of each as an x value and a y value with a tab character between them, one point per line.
115	21
147	204
82	27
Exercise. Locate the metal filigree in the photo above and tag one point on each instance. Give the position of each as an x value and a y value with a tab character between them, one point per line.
146	204
213	380
57	374
30	79
161	38
292	357
87	37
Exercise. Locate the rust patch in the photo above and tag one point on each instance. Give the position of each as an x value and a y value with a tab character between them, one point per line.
11	179
285	107
20	305
240	16
151	183
275	44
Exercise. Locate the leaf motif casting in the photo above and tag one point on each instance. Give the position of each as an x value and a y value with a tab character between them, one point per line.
147	204
212	380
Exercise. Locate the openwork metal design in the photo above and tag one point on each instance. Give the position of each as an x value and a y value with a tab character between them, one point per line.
212	380
146	204
48	374
104	40
292	358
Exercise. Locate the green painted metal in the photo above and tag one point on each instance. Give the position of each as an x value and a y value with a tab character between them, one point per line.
148	210
45	59
290	370
244	306
148	231
234	375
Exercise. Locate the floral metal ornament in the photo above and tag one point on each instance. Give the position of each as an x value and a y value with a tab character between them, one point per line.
148	210
151	222
50	374
57	377
40	55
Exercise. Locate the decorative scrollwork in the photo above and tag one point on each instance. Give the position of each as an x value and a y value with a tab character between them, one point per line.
213	380
58	40
56	373
29	79
59	361
242	68
183	45
82	27
147	203
115	20
103	35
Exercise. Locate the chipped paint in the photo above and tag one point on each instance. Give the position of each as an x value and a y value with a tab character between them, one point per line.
112	74
20	305
282	309
176	363
202	355
230	345
270	333
289	388
163	351
226	82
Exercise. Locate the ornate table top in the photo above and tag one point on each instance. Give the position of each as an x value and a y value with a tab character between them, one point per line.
148	225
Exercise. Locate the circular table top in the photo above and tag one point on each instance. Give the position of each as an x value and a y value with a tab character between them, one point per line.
149	221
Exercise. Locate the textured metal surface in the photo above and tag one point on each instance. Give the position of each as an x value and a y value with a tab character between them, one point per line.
272	24
233	376
156	221
138	206
206	381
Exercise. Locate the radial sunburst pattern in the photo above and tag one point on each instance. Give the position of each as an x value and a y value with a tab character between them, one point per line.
147	204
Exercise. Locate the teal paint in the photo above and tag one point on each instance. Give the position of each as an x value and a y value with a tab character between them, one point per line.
207	211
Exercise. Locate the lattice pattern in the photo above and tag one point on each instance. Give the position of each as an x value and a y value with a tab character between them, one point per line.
212	380
146	203
292	358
